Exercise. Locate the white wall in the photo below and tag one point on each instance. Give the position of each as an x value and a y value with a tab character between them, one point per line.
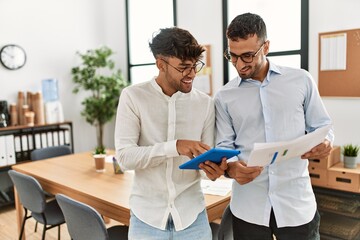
52	31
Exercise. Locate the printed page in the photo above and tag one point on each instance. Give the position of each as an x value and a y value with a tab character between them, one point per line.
265	154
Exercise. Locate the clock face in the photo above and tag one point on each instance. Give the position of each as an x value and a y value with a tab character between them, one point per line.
12	56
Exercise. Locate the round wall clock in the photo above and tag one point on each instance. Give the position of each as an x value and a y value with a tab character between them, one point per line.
12	56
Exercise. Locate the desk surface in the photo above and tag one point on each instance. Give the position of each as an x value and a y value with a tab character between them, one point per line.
75	176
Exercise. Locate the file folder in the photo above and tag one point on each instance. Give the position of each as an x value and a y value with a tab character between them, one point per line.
3	158
10	149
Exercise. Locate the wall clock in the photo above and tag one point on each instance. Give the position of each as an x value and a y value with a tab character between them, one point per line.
12	56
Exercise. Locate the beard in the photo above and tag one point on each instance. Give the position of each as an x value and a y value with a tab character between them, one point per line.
251	71
247	72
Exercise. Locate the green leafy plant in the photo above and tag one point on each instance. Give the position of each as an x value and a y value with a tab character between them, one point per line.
350	150
100	150
96	74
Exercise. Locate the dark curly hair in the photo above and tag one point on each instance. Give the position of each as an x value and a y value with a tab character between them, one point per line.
176	42
245	25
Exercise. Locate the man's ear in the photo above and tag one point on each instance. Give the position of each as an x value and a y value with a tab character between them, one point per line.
266	47
160	65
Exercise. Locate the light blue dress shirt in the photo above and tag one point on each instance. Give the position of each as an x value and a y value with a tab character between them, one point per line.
282	107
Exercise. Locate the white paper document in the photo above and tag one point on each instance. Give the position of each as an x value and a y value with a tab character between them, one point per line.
333	52
265	154
220	187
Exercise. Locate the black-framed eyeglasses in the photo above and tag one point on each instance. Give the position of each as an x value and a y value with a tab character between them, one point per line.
187	70
245	57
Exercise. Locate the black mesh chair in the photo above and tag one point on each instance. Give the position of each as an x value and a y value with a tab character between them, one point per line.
85	223
32	197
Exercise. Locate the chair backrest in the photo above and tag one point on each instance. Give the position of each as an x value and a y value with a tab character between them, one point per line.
225	230
29	190
50	152
83	221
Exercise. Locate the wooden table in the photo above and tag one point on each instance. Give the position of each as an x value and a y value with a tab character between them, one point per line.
75	176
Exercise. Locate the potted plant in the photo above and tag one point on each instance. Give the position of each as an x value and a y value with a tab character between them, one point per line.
99	157
96	74
350	152
100	150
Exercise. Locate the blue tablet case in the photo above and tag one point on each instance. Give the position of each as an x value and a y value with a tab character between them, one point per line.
214	155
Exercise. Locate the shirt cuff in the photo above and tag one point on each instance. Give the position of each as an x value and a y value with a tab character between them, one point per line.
233	159
170	149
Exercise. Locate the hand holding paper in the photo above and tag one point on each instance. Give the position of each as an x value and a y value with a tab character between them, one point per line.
265	154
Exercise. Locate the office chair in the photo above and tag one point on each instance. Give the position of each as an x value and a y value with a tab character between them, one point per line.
85	223
50	152
32	198
6	186
223	231
214	230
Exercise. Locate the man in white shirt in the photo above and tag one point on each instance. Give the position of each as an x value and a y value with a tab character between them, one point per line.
160	124
268	103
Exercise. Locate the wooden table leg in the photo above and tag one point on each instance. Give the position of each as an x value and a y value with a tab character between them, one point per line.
106	219
19	212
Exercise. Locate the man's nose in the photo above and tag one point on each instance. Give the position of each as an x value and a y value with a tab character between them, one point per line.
239	63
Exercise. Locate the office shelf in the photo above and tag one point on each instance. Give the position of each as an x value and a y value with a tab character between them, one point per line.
340	213
16	144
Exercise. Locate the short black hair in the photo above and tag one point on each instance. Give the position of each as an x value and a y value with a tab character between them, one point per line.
176	42
245	25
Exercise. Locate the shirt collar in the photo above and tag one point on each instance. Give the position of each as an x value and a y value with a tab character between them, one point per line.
273	68
159	89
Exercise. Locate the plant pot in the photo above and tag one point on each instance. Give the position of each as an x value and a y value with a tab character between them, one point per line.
350	162
99	162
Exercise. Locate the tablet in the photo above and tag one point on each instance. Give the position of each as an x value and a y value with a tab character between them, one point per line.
214	155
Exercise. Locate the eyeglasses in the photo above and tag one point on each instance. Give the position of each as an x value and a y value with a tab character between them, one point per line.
245	57
187	70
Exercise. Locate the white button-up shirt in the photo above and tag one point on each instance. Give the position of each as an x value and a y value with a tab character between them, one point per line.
282	107
148	124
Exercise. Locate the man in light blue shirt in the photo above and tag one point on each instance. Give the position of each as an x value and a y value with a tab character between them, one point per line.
268	103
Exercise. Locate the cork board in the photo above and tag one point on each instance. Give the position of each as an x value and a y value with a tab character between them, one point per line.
339	71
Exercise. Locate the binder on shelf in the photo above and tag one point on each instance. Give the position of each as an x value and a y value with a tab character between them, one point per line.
67	137
10	150
61	137
56	138
50	139
24	143
30	141
3	158
18	151
37	140
43	140
25	155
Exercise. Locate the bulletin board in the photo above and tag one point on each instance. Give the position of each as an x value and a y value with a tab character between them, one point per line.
339	63
203	80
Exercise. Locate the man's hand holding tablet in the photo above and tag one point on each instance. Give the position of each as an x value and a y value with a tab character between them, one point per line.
214	155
